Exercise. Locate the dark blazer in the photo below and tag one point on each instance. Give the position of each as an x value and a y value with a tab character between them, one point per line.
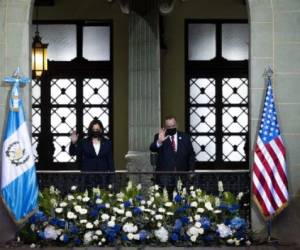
168	160
89	160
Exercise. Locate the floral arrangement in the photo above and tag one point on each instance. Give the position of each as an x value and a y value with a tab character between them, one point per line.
102	217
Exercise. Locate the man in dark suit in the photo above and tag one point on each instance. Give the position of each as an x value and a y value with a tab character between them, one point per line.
174	152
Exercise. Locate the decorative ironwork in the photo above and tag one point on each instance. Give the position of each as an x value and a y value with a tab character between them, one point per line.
202	91
235	90
202	119
204	147
36	91
36	120
63	120
63	91
100	113
96	91
235	119
234	148
61	145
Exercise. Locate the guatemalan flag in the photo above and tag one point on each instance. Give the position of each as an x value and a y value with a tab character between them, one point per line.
19	189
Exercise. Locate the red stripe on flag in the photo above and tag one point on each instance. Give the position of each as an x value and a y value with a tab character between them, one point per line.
260	201
265	186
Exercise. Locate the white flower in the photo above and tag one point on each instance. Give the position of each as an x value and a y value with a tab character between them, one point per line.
83	211
59	231
63	204
111	224
217	211
191	187
85	199
198	224
191	219
159	224
192	231
240	195
156	187
103	240
61	238
96	191
50	232
197	217
71	215
32	226
168	204
220	186
95	237
58	210
139	186
128	214
161	234
129	227
129	186
77	208
32	245
230	241
217	202
98	201
107	205
98	232
208	206
79	197
105	217
194	237
158	217
83	221
96	222
89	225
194	204
109	186
161	210
170	213
200	210
193	194
136	236
99	243
70	197
143	202
157	194
113	218
130	236
53	202
201	230
87	238
52	189
73	188
224	230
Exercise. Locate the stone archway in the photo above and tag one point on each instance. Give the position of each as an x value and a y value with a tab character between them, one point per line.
15	43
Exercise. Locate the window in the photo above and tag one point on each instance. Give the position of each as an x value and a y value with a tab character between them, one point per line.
76	89
217	92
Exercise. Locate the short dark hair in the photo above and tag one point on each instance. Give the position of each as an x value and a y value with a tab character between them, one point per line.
92	123
169	117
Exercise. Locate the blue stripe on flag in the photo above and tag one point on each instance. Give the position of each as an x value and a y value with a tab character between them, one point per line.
14	120
21	194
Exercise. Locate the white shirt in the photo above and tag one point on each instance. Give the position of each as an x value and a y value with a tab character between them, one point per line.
97	147
170	138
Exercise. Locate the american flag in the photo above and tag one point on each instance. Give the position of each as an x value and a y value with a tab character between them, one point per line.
269	175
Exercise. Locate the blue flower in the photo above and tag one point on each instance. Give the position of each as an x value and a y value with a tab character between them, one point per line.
73	229
111	234
174	237
41	234
233	208
66	238
124	237
143	235
178	198
139	197
178	225
137	211
94	213
77	241
237	223
127	204
57	222
100	206
39	216
205	222
185	220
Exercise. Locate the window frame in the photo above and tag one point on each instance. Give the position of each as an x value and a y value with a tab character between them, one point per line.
217	68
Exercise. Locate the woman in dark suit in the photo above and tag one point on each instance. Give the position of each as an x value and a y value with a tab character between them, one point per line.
95	151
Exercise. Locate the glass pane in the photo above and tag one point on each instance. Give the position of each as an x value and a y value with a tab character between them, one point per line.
96	43
235	41
202	41
36	91
63	91
204	147
235	90
235	119
202	91
202	120
100	113
61	40
95	91
63	120
36	120
61	145
234	148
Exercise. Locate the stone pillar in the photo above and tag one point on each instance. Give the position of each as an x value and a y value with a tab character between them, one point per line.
144	82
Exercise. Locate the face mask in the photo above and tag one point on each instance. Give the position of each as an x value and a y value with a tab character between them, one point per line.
96	133
171	131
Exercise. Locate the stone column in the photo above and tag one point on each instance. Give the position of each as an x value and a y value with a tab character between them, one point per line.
144	82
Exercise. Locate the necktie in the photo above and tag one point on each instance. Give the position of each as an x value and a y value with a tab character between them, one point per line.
173	143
